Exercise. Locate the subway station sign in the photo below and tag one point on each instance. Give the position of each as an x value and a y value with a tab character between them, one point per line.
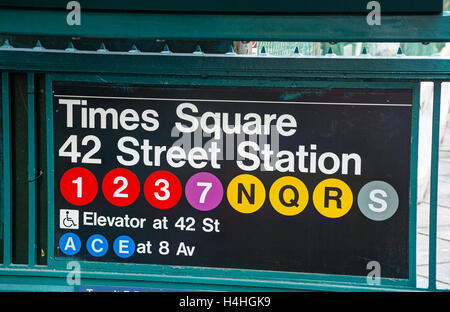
311	179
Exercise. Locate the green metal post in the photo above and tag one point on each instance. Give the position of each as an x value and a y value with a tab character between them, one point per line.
50	181
434	185
413	183
31	172
6	116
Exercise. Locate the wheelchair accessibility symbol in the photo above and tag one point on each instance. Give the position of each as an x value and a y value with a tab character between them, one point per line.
68	219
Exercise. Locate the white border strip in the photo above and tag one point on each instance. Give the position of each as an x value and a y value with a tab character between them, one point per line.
229	101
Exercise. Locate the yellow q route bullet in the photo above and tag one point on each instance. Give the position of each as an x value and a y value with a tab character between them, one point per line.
289	196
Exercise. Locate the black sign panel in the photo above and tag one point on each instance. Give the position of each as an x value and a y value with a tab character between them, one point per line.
283	179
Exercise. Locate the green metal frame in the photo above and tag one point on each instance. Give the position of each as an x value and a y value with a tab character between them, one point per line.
6	196
209	26
201	69
210	65
432	257
220	70
263	6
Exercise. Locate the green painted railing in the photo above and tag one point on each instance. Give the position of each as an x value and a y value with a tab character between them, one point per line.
30	264
40	66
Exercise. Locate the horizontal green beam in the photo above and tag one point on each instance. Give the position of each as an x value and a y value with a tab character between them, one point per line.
269	6
341	28
61	61
57	278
